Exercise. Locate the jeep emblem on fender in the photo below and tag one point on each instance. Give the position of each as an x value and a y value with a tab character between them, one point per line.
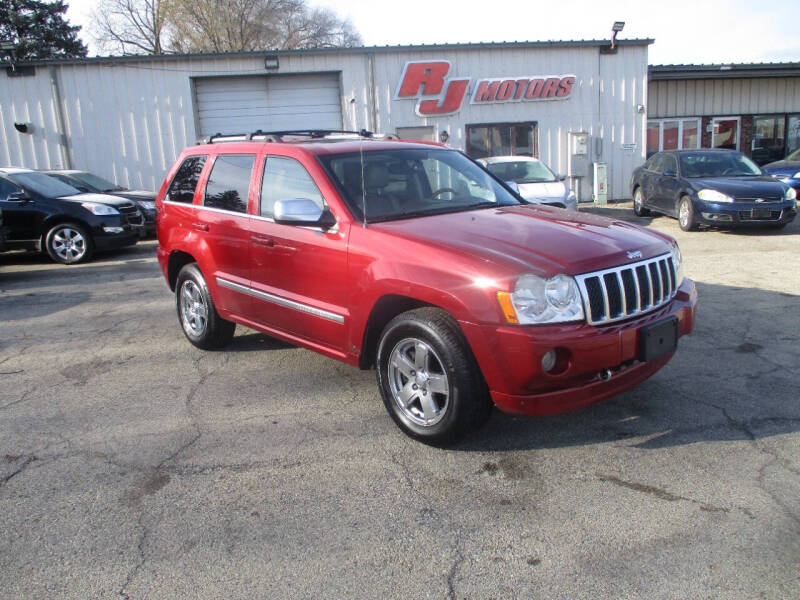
634	254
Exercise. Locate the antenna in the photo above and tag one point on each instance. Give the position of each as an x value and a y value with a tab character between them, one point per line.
363	184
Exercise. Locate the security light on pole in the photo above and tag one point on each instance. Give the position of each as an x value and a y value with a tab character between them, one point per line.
616	28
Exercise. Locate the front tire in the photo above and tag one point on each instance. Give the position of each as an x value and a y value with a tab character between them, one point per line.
69	243
686	216
198	317
638	203
428	379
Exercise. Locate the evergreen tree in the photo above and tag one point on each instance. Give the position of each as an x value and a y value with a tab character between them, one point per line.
38	30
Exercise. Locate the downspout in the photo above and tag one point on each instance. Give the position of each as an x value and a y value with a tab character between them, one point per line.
59	115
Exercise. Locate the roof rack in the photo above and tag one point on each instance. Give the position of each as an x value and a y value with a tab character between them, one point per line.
277	136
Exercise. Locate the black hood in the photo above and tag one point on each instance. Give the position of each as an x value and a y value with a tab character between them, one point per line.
764	186
135	195
783	166
98	198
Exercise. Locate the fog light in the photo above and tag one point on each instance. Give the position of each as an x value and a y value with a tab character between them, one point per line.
716	217
549	361
113	229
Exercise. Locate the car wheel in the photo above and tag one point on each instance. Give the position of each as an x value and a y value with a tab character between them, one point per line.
686	217
428	378
199	320
69	243
638	203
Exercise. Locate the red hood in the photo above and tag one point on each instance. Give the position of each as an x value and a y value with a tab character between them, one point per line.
536	239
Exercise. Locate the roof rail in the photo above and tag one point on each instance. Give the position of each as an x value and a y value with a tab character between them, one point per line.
277	136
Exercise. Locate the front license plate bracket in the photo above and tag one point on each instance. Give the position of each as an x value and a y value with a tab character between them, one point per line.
658	339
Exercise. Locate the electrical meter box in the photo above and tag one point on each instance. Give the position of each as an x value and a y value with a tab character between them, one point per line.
579	154
600	191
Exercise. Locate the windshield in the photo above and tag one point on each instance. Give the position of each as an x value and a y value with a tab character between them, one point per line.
98	183
717	164
47	186
396	184
521	171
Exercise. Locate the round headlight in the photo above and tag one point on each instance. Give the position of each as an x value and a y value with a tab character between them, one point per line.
791	194
536	300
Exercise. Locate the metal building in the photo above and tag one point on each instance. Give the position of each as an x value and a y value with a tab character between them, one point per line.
572	104
753	108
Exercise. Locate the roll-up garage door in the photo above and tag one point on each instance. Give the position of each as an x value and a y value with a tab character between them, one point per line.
269	103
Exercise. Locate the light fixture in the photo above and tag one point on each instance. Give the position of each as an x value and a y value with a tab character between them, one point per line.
616	28
444	136
22	127
271	61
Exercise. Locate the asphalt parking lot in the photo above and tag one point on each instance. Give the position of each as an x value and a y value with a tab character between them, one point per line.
133	465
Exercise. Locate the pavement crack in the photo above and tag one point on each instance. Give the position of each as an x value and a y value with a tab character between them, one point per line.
451	575
660	493
19	470
123	591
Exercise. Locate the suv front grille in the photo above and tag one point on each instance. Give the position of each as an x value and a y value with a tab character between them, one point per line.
621	292
131	214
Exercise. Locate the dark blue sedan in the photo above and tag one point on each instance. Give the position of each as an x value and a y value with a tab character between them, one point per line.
787	170
722	188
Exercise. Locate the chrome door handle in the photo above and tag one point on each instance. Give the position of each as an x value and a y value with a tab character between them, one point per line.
200	226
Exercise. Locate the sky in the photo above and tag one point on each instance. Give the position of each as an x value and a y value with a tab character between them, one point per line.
685	31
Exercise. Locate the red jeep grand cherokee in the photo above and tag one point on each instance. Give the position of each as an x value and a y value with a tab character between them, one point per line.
413	258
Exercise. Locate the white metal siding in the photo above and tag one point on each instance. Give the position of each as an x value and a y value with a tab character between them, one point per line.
710	97
128	120
269	103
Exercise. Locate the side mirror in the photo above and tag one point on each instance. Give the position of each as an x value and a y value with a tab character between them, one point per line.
22	197
513	185
669	173
303	212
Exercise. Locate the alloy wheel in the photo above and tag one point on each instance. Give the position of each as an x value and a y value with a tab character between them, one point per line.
68	244
194	312
418	382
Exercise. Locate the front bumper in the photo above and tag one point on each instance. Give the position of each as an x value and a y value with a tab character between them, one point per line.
745	213
510	358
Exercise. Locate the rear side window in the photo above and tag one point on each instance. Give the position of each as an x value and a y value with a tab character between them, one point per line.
183	185
285	178
229	182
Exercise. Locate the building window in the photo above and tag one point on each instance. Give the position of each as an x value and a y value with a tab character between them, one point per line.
725	133
768	141
502	139
792	134
423	132
672	134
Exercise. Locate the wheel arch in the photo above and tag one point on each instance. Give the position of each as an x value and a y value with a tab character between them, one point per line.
60	219
177	260
385	308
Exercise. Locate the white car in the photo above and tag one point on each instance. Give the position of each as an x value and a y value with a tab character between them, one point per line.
532	179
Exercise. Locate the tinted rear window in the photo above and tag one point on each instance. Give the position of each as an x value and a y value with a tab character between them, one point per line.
183	185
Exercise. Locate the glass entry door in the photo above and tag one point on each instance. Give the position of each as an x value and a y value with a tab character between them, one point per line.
725	133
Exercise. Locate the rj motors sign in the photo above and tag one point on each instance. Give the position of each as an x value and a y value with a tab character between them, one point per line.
437	94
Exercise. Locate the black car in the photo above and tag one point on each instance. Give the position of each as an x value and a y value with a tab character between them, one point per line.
45	214
88	182
723	188
3	233
787	170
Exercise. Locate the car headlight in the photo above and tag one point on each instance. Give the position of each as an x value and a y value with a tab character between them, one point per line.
790	194
99	209
537	301
677	260
713	196
796	175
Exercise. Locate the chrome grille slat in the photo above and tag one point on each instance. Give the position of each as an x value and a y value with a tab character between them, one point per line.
652	281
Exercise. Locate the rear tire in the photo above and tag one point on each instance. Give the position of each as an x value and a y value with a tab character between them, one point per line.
198	317
638	203
686	215
428	378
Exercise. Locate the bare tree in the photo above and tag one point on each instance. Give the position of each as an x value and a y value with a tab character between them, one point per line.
245	25
132	26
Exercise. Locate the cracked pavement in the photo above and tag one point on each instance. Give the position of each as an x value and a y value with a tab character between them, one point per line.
133	465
